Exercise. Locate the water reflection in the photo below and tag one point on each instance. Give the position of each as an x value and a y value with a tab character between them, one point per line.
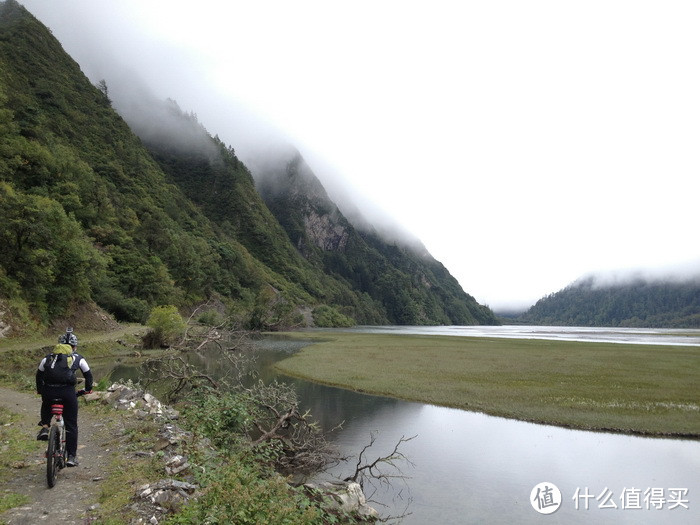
474	468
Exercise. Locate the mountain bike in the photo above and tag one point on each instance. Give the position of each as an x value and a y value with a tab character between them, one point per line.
56	453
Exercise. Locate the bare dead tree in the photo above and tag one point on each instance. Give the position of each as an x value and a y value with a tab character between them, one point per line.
177	374
301	444
199	335
175	371
383	471
375	469
297	442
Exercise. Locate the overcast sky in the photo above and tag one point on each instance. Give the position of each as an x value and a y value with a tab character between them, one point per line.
525	143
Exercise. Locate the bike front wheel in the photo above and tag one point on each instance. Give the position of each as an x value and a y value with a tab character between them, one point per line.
53	453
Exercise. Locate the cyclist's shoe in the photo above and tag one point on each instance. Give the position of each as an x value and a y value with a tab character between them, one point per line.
72	462
43	434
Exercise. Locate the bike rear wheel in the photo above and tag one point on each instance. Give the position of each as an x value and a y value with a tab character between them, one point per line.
53	452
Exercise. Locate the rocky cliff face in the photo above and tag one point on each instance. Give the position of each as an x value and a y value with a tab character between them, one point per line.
301	204
325	232
410	284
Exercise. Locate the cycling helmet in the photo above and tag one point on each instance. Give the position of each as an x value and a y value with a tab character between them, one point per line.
68	338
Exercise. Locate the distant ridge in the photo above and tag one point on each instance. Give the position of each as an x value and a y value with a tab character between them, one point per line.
636	301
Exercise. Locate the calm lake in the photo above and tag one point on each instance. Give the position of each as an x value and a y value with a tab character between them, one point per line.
468	467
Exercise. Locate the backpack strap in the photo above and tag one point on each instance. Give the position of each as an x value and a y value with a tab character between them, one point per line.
76	361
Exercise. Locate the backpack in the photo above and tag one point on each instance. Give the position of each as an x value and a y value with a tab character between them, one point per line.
60	366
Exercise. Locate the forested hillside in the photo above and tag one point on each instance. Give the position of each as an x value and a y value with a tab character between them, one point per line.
211	175
87	213
636	303
413	287
92	214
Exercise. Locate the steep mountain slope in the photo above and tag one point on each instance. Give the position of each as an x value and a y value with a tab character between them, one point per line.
87	213
222	187
91	212
636	303
413	287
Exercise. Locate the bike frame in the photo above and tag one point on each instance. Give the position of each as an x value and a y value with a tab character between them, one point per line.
56	448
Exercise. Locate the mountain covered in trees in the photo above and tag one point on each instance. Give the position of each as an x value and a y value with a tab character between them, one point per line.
403	276
635	302
130	214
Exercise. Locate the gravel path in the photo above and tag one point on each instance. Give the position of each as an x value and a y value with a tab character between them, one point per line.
76	489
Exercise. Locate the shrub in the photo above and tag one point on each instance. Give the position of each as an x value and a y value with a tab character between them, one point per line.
211	318
166	326
240	491
219	417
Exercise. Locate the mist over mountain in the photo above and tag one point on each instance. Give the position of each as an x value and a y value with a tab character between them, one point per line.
268	162
399	276
159	211
651	298
398	272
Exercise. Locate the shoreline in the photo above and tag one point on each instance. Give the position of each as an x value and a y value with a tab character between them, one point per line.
692	436
628	400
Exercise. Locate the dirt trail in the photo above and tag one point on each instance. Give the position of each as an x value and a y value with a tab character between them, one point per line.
76	489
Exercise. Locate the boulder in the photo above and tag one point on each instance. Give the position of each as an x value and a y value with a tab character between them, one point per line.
345	497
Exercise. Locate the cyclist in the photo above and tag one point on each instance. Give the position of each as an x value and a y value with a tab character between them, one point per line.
55	379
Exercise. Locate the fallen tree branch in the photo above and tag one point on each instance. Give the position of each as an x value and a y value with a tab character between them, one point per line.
373	469
283	421
302	446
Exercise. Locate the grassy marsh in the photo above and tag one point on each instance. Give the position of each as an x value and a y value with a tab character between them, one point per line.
644	389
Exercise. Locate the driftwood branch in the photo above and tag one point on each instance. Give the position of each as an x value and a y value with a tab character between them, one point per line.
373	469
384	471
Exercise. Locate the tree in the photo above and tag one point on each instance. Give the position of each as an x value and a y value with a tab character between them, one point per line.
102	86
272	311
167	325
45	252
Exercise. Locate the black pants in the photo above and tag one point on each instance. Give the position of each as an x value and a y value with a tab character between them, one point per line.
70	412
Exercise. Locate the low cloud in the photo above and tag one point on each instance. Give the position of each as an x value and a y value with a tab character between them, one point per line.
678	273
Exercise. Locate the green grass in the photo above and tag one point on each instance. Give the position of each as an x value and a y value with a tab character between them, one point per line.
92	340
642	389
237	490
14	445
14	448
12	500
123	435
